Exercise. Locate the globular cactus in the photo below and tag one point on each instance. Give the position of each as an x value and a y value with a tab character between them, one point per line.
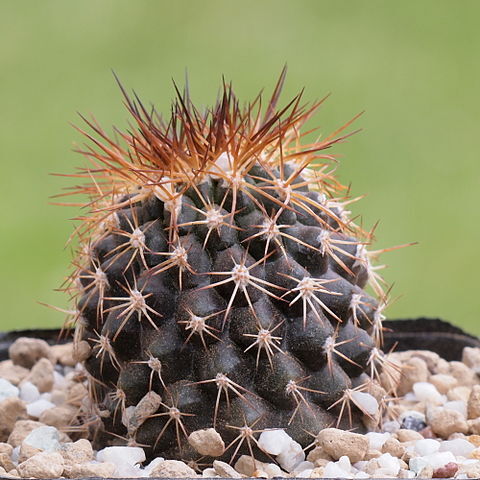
219	267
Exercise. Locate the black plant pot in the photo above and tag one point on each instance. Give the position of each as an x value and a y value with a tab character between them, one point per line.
414	334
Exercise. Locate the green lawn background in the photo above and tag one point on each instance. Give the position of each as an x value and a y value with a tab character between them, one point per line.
412	65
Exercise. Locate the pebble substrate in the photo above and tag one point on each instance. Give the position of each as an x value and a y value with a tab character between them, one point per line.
430	430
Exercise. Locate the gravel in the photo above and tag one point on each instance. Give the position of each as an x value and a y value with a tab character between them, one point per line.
429	429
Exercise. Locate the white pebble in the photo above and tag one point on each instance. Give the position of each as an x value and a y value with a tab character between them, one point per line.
290	457
427	392
417	464
302	467
16	455
439	459
274	441
125	470
389	464
426	446
333	470
148	468
391	427
365	402
457	405
44	438
344	463
209	473
361	475
272	470
29	392
46	396
459	447
125	455
7	389
58	380
35	409
376	440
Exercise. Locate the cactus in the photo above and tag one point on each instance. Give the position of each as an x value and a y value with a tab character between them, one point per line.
220	278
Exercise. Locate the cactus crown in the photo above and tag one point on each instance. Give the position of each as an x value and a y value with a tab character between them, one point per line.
166	159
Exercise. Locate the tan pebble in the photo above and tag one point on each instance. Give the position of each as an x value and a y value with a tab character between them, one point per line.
247	466
6	448
420	407
404	435
472	470
471	357
26	352
390	380
426	472
372	466
442	367
394	448
225	470
317	472
58	397
11	474
59	417
21	430
443	383
444	422
6	462
447	471
456	435
459	393
337	443
318	453
172	468
475	453
474	426
42	465
260	474
27	451
321	462
414	370
12	409
376	391
371	423
41	375
427	432
13	373
146	407
430	358
81	351
89	470
463	374
207	442
473	404
403	465
371	454
76	392
80	451
474	439
63	354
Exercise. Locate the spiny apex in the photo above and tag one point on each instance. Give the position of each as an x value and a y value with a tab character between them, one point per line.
219	279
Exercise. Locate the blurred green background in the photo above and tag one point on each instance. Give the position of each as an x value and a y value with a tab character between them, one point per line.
412	65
